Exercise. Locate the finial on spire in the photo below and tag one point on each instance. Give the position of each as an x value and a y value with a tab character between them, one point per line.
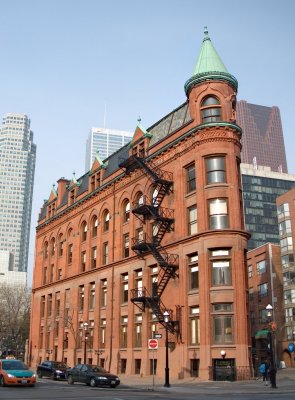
206	33
139	119
53	186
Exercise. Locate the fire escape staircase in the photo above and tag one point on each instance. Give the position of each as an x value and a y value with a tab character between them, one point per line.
150	210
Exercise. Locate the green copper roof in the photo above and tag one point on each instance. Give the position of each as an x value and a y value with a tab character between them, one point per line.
209	66
208	60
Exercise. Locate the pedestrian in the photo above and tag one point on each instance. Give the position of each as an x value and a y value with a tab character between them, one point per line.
263	369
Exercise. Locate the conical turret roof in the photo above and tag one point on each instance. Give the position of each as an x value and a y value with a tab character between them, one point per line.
209	66
208	60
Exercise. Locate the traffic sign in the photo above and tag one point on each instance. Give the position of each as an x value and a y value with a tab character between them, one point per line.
153	344
291	347
158	335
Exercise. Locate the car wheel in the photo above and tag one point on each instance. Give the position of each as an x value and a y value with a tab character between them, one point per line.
2	383
52	376
39	374
92	382
70	380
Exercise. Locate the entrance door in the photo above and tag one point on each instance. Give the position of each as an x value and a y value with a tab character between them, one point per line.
224	369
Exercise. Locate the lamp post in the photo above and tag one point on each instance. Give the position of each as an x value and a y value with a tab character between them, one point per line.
272	369
85	326
166	320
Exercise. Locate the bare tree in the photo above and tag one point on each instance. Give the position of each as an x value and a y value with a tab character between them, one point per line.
15	302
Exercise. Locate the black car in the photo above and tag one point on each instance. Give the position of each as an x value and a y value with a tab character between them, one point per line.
52	369
92	375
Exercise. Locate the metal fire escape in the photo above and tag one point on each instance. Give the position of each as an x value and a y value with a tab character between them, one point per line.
163	219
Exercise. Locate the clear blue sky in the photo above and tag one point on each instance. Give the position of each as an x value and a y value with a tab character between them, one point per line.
62	61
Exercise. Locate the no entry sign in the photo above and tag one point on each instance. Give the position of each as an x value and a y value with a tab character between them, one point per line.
153	344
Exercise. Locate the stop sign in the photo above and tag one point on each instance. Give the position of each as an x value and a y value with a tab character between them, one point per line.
153	344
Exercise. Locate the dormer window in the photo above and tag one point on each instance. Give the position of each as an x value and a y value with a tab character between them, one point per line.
210	110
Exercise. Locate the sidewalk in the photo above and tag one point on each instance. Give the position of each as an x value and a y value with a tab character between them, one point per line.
285	384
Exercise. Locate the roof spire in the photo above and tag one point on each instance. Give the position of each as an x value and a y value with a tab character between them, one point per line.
209	65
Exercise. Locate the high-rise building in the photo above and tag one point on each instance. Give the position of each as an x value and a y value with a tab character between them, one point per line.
17	166
286	220
104	142
261	187
152	240
262	139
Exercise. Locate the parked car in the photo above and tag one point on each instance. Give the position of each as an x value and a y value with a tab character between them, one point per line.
52	369
92	375
15	372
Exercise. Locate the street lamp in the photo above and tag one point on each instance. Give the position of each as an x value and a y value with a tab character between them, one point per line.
85	326
166	316
272	369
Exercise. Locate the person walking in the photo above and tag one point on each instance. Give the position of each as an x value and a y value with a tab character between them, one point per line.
263	369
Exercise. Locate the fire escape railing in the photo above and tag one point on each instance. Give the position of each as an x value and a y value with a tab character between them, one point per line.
150	209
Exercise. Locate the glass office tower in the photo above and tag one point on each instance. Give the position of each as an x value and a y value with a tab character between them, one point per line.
262	139
261	187
17	167
105	142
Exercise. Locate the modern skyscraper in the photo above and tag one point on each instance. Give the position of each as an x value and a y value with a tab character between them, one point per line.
262	139
105	142
261	187
17	166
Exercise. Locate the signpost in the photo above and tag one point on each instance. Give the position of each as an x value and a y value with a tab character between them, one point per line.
153	345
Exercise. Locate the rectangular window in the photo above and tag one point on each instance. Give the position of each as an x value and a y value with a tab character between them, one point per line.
251	294
42	307
124	286
289	296
193	269
49	305
288	261
41	337
194	320
221	269
250	271
83	261
192	220
103	324
126	245
215	168
103	290
93	257
138	331
124	329
286	244
105	252
222	323
283	211
190	178
218	214
92	295
262	290
81	298
261	267
285	227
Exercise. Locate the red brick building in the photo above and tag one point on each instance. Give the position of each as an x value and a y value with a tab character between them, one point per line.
265	287
158	226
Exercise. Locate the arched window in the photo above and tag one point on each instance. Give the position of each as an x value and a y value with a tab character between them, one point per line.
126	210
84	231
139	199
94	225
210	110
106	221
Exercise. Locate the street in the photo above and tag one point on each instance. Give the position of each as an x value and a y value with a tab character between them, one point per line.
48	389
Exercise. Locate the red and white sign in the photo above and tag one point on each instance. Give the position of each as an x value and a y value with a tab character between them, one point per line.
153	344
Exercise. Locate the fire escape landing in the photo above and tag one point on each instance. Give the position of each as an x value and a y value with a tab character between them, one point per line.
163	220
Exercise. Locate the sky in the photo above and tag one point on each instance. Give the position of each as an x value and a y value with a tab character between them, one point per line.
75	64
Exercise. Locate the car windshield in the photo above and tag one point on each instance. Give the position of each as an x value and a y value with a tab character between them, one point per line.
96	369
59	365
13	365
